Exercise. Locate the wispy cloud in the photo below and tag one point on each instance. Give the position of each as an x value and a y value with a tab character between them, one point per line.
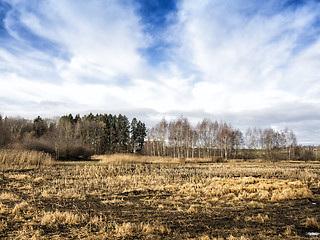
251	57
93	50
255	63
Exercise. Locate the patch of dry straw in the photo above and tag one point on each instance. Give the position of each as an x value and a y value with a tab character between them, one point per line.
11	157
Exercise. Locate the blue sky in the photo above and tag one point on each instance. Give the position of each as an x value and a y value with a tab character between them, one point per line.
251	63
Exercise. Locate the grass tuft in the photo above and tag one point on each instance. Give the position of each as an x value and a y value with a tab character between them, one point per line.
312	223
54	219
8	196
20	207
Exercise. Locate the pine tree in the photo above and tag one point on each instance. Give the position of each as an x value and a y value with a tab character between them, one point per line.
39	126
142	133
134	135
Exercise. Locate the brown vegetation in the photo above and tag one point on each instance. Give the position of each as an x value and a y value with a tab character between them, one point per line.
130	158
23	158
122	197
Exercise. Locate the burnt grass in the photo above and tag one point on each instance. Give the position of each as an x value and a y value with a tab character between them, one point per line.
184	216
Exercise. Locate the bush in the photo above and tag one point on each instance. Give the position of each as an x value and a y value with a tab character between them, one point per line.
81	152
307	155
74	153
249	156
64	151
40	146
219	159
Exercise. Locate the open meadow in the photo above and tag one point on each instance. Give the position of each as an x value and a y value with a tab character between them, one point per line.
132	197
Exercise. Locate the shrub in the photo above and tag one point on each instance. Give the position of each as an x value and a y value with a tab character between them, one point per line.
64	151
307	155
74	153
219	160
81	152
40	146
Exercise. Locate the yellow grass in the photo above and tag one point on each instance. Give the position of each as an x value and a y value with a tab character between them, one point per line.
8	196
126	199
288	231
127	229
22	158
312	222
132	158
54	219
20	207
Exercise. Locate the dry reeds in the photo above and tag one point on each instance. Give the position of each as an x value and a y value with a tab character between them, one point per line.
131	158
10	157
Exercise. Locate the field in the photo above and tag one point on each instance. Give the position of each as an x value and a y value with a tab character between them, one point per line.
125	197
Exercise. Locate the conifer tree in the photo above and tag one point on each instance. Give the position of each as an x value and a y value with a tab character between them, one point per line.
39	126
142	133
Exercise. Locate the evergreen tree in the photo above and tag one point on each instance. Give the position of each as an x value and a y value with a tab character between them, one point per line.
39	126
142	133
123	132
134	134
4	133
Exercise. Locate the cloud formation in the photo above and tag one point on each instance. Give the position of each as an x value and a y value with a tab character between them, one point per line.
253	63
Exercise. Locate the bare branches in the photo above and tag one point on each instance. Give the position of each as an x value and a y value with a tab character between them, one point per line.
178	139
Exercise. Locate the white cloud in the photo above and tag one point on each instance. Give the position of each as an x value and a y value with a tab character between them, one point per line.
101	38
244	57
96	44
228	60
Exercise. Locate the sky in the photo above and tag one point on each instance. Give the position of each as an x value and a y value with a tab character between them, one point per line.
249	63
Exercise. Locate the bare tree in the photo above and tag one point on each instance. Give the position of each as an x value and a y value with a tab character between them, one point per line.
292	143
225	136
186	136
162	136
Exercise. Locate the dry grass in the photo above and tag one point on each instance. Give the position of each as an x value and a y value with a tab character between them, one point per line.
57	218
133	200
131	230
231	237
312	223
20	207
23	158
130	158
8	196
19	176
258	218
288	231
3	208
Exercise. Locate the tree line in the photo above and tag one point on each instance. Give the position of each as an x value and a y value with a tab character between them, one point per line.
74	137
212	139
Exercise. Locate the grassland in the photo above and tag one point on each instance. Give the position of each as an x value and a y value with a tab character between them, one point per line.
124	197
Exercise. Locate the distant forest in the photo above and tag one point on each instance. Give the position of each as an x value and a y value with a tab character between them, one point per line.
210	139
74	138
